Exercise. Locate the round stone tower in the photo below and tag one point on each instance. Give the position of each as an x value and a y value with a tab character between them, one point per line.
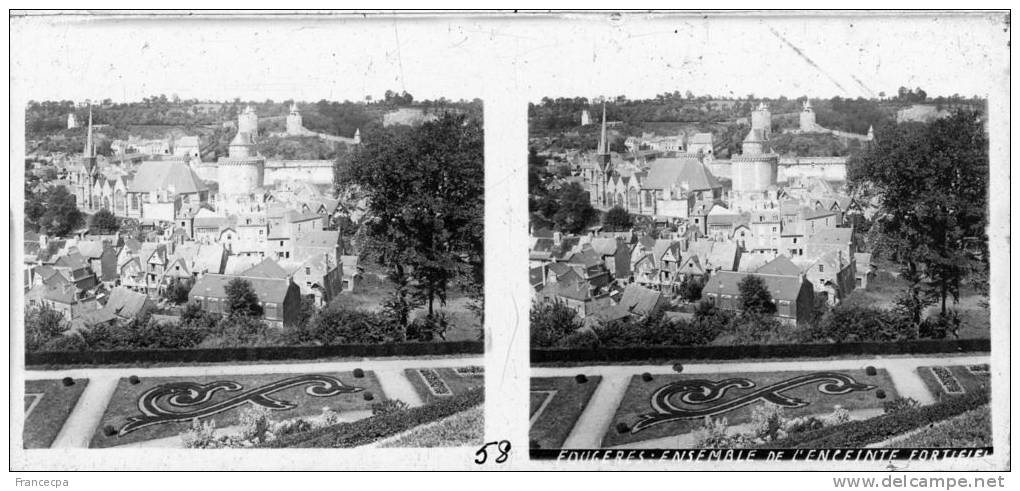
294	125
761	119
248	121
243	170
755	169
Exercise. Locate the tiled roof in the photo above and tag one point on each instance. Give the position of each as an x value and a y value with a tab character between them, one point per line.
268	289
266	269
780	286
682	172
781	265
152	176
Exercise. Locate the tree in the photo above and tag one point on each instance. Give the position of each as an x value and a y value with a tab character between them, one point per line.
574	212
754	296
176	292
551	322
242	301
930	181
424	192
42	324
61	215
617	220
103	222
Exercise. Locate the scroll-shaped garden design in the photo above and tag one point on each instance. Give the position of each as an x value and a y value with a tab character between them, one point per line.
146	409
671	405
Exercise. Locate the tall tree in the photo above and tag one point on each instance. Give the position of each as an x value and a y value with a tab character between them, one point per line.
104	222
574	212
424	191
617	220
754	296
61	216
930	182
242	301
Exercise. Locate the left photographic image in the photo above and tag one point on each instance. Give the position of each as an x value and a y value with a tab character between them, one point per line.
226	266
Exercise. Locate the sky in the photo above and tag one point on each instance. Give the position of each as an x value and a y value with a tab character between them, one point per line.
566	55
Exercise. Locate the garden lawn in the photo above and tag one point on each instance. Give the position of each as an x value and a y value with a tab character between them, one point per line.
551	427
971	429
637	401
455	382
48	403
460	430
124	403
969	381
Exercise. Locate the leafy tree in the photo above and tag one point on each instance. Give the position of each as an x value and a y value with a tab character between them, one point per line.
104	222
340	325
551	322
931	183
177	290
308	309
242	301
424	191
61	215
754	296
691	287
617	220
574	212
42	324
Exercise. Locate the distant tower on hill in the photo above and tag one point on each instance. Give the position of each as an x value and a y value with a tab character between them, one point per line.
357	136
585	117
871	133
807	118
72	122
761	119
294	125
248	121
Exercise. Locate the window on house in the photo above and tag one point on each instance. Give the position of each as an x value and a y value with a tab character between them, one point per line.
821	268
308	270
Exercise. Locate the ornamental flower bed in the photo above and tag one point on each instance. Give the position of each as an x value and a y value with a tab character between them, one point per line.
435	383
948	380
470	371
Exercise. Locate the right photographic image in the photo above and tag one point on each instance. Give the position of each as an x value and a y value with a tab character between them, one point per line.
806	270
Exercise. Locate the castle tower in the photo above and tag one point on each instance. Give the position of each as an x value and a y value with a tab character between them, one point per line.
871	133
72	122
248	121
761	119
357	136
585	117
756	168
294	126
807	118
243	170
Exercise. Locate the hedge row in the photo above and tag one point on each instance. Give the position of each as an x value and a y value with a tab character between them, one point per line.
261	353
858	434
368	430
926	346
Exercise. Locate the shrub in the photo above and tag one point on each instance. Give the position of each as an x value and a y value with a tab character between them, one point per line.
871	371
359	373
647	377
109	430
581	378
622	428
67	381
767	421
800	425
388	406
337	324
428	327
533	444
678	367
368	396
848	323
134	380
551	322
580	339
899	404
880	394
715	434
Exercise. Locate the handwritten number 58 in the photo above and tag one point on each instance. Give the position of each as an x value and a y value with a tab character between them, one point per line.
482	455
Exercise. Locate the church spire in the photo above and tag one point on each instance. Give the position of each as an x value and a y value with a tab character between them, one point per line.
603	144
90	149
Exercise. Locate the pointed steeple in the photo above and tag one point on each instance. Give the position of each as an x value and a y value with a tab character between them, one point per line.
90	149
603	146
